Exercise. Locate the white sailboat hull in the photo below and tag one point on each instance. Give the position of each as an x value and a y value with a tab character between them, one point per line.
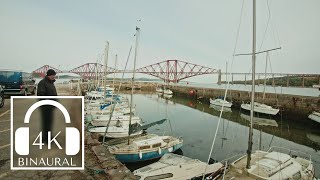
107	112
261	108
167	91
113	122
114	132
220	102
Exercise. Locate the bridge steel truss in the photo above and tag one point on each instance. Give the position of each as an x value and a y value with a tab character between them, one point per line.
42	71
90	70
168	70
175	70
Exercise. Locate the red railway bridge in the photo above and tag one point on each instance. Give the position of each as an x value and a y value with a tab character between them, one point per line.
168	71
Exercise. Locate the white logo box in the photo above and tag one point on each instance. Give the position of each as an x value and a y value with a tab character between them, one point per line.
23	130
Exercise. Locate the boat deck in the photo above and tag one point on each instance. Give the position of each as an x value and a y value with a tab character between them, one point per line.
238	170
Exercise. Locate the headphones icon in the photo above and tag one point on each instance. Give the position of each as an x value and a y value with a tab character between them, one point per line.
72	134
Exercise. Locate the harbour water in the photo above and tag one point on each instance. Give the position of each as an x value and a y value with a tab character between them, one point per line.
197	122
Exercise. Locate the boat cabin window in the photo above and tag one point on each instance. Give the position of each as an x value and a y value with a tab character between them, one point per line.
144	147
156	145
160	176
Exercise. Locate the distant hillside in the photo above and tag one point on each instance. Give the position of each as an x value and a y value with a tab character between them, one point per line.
282	81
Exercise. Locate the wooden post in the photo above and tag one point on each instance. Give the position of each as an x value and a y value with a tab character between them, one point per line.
302	80
288	80
258	79
318	79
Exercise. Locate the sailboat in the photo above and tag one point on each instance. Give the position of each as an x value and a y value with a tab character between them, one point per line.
271	164
167	91
260	107
146	146
220	101
115	120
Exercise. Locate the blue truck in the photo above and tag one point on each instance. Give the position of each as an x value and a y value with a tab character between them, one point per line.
17	82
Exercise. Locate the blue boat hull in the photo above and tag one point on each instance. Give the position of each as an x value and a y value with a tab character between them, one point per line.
128	158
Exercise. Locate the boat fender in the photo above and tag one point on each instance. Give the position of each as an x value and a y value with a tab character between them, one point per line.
140	154
159	150
170	149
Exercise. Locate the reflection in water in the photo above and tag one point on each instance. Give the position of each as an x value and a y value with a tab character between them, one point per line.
196	123
219	108
167	96
260	121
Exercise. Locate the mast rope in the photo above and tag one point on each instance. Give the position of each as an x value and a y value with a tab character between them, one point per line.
225	93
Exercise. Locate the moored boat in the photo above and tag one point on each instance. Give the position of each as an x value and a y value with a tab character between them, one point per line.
173	166
220	102
261	108
146	147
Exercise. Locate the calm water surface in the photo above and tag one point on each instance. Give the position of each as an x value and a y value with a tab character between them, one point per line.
197	122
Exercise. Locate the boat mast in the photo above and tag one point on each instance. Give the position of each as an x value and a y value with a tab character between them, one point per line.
265	77
105	68
96	78
253	85
133	76
115	67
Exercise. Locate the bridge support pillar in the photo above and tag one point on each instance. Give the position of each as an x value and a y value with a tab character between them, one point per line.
219	77
288	80
232	78
245	79
302	80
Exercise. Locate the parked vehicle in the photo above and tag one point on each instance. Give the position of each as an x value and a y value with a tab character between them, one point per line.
1	97
17	82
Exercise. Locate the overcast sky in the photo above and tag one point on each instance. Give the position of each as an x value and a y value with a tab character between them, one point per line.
67	34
